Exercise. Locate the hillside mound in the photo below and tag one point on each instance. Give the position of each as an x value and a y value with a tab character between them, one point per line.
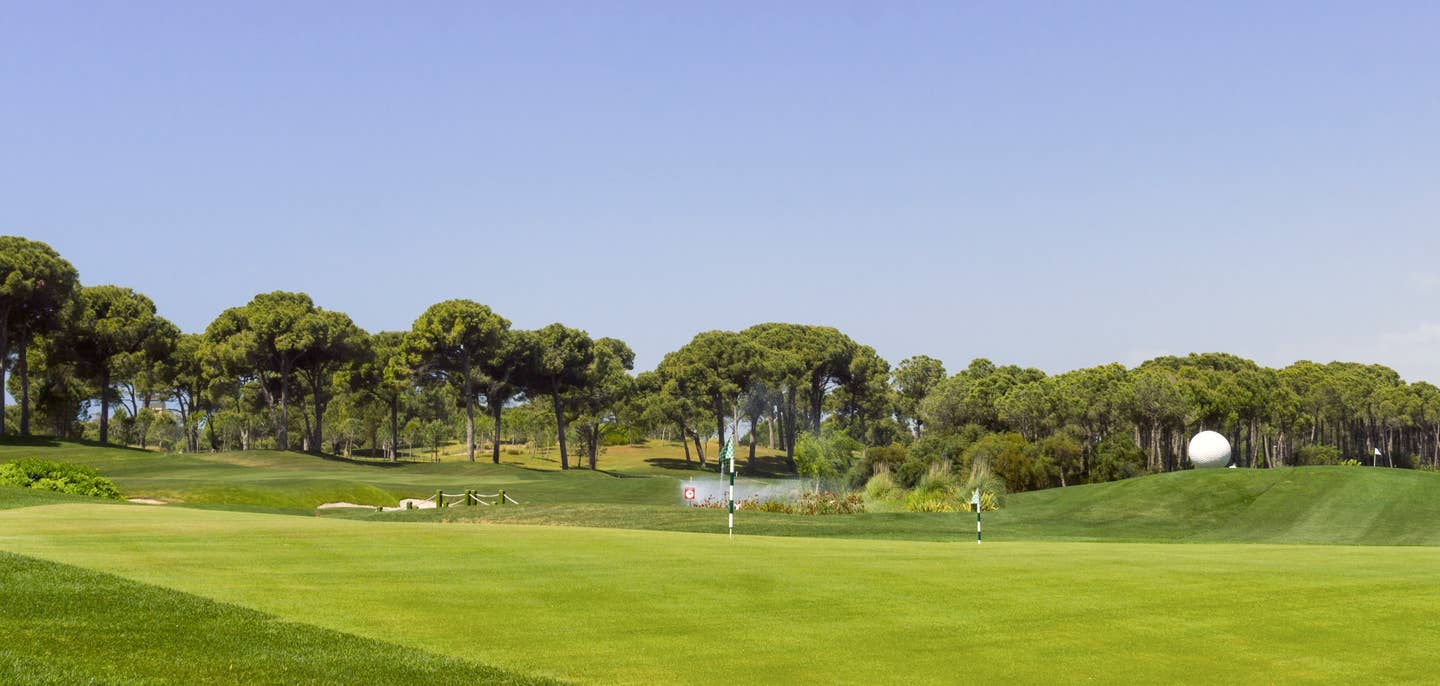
1326	505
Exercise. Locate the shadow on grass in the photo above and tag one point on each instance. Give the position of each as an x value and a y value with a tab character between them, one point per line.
766	467
53	442
369	462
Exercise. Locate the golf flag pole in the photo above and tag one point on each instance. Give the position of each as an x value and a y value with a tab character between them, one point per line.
975	502
728	453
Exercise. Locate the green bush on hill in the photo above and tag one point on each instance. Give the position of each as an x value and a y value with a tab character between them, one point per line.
1317	455
60	477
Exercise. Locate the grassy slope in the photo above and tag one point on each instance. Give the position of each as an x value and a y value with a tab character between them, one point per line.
65	625
1342	505
297	481
618	606
11	496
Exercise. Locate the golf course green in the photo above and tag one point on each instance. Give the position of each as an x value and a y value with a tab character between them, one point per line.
1174	578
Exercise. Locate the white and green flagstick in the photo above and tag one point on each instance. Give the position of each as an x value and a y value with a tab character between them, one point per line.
728	453
975	501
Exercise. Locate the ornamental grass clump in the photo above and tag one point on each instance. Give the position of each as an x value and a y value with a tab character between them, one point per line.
941	491
882	488
936	491
60	477
991	486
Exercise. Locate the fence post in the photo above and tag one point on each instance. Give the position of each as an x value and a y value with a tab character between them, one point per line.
439	499
501	501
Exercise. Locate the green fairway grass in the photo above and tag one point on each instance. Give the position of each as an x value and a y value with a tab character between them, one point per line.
1347	505
615	606
64	625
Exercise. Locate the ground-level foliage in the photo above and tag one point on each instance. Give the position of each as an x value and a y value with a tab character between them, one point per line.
58	477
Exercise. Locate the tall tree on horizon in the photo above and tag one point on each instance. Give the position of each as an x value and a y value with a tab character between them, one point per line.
451	342
263	341
109	322
606	383
560	356
913	379
331	342
501	376
36	284
383	374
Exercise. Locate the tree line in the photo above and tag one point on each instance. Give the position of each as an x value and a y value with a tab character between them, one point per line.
282	372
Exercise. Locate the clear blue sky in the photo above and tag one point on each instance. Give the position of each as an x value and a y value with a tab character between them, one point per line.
1048	184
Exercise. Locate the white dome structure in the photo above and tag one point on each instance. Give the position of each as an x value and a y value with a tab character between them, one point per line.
1209	449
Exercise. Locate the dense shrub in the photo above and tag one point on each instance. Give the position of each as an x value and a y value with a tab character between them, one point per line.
1116	457
935	448
1015	460
59	477
885	457
1317	455
620	435
824	457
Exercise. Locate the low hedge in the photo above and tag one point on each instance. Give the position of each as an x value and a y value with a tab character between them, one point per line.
60	477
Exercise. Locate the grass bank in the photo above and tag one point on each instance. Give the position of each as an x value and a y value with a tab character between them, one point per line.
621	606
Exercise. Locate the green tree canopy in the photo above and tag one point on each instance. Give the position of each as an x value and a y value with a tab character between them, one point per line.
36	284
107	324
451	342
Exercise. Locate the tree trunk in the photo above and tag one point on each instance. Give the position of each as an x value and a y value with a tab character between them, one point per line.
560	430
23	371
699	449
305	434
320	404
104	405
4	355
817	401
788	430
750	464
282	432
469	413
394	429
720	430
685	443
184	422
594	444
469	425
495	443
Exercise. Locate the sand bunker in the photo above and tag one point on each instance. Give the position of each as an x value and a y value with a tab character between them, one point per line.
147	501
414	504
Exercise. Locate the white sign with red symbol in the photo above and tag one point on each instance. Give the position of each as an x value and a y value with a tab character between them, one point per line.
689	492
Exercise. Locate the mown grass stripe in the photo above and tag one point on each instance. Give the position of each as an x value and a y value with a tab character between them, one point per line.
66	625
